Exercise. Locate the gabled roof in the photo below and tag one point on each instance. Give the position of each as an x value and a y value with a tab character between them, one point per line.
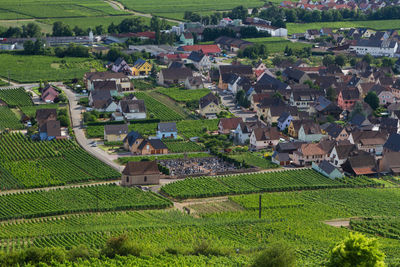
196	56
139	63
116	129
155	143
230	123
120	61
378	89
293	73
326	166
49	93
51	127
195	81
265	134
141	168
393	143
207	99
132	106
106	75
132	137
362	163
245	70
281	156
100	95
350	94
105	85
176	73
44	113
360	120
167	127
334	130
284	116
271	82
343	151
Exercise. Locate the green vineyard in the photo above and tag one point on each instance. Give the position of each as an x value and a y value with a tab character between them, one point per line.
9	120
16	97
259	182
79	199
26	164
182	146
158	109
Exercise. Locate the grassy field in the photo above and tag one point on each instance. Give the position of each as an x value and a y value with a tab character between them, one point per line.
124	160
277	44
372	24
55	9
34	68
175	9
254	160
183	95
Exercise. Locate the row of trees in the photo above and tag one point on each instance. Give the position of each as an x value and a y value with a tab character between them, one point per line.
38	48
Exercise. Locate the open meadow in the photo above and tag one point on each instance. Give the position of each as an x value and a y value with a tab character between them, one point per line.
277	44
371	24
27	69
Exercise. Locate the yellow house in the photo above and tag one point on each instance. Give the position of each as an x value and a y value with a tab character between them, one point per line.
209	106
141	67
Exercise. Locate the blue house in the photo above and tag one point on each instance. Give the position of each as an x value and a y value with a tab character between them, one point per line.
284	121
327	169
50	130
167	130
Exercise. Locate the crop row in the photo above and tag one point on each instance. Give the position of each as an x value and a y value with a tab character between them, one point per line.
89	198
9	120
16	97
158	109
183	95
182	146
258	182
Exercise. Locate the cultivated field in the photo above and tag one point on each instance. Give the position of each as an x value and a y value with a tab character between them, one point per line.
258	182
183	95
46	68
372	24
158	109
27	164
277	44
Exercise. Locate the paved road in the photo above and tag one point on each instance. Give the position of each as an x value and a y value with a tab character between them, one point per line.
77	125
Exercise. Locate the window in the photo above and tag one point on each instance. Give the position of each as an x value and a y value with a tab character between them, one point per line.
145	178
127	179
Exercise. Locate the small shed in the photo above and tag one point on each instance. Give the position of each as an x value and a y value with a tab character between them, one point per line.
140	173
327	169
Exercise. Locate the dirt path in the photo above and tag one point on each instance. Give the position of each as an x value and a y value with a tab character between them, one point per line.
57	187
118	6
339	223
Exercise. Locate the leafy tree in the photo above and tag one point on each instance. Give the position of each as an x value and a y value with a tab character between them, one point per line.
61	29
372	99
99	29
357	109
276	255
31	30
331	94
387	62
368	58
357	250
122	246
328	60
340	60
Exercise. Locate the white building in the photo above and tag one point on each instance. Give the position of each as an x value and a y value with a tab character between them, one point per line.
275	32
376	48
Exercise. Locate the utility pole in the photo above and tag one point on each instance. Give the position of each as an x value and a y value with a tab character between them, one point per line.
9	81
259	207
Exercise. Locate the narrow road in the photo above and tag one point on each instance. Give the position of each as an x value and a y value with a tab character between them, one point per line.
119	6
77	125
228	101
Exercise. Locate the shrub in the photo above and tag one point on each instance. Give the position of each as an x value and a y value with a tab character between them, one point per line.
122	246
276	255
80	252
207	249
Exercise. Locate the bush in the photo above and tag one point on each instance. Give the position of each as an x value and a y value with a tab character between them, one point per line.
122	246
80	252
276	255
207	249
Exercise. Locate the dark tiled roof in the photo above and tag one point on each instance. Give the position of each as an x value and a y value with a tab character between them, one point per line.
326	166
196	56
106	75
350	94
105	85
393	142
52	128
132	137
44	113
176	73
230	123
116	129
155	143
237	69
207	99
141	168
167	127
133	106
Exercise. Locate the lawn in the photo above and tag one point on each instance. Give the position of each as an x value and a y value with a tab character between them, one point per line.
34	68
183	95
124	160
56	9
277	44
175	8
254	160
372	24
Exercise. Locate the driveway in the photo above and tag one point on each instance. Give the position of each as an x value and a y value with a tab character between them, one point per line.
229	102
77	124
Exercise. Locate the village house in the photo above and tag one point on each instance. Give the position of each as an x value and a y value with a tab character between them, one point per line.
199	60
348	98
209	50
186	38
262	138
295	75
132	109
101	100
45	114
115	132
309	153
376	48
49	93
369	141
141	173
244	130
132	142
194	83
141	67
392	144
226	71
173	76
327	169
120	65
106	85
281	159
360	163
390	163
309	132
167	130
151	147
336	132
284	120
385	95
303	99
232	44
226	125
50	130
124	84
341	152
390	125
209	106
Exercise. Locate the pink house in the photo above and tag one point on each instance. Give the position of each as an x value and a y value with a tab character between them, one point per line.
348	98
49	93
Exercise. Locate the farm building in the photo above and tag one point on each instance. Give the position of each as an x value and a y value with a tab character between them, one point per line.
140	173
